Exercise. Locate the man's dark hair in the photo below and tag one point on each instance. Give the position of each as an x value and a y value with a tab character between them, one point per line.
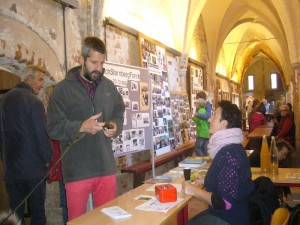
92	43
201	94
282	143
231	113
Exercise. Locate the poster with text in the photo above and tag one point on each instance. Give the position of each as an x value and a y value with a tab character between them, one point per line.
133	85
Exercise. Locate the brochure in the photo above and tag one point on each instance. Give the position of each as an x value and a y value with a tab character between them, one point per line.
116	212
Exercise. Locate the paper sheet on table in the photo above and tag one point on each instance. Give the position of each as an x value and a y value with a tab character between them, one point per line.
116	212
156	206
177	186
292	175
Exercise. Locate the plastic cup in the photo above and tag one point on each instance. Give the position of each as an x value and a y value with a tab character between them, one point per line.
187	173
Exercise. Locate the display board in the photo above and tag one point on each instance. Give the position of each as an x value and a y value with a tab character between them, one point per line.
196	76
153	57
133	84
184	127
164	77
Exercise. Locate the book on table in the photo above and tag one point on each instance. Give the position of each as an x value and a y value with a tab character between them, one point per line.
193	162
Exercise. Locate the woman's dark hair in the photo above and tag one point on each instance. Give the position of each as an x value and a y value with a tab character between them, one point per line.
290	106
231	113
256	102
261	108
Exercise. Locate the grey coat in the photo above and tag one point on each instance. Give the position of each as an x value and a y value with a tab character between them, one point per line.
70	105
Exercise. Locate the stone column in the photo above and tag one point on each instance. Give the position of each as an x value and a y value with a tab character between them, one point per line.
296	105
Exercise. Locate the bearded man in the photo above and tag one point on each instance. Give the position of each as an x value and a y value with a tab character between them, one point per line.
79	109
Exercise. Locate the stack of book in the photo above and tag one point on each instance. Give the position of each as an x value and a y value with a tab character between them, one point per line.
193	162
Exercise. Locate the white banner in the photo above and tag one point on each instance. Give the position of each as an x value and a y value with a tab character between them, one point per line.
120	75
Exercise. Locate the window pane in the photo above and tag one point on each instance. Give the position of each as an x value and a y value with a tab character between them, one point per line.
250	82
274	80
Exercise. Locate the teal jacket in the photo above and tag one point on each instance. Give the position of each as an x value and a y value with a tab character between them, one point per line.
202	124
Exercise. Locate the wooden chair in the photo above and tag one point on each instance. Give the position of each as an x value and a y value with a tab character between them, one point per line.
280	216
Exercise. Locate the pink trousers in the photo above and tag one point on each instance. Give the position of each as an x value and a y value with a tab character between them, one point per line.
103	189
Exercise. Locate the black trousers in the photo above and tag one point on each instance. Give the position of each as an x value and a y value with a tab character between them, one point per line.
18	190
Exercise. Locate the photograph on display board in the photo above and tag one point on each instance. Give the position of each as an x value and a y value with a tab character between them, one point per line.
177	82
196	73
144	96
137	124
197	77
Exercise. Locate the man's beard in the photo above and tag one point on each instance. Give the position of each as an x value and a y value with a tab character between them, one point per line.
88	75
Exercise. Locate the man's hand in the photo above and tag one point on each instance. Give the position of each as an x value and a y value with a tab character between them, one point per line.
91	125
110	132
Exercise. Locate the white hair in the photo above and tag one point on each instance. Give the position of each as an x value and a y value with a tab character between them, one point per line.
29	71
9	218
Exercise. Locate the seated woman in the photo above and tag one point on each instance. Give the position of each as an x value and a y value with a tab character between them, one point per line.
258	117
228	182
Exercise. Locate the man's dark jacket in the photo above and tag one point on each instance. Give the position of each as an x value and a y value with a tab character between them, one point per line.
25	147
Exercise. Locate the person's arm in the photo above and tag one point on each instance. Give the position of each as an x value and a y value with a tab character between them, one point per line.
59	127
213	199
285	128
38	118
196	189
207	115
118	113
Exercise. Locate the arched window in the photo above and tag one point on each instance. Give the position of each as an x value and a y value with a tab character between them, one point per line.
250	82
274	81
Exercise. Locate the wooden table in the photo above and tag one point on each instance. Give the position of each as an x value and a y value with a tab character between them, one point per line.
127	202
261	130
285	177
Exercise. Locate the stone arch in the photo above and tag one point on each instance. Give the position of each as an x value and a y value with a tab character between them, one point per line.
16	51
248	56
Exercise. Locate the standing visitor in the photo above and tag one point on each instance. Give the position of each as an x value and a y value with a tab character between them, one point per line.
79	107
202	129
208	113
25	148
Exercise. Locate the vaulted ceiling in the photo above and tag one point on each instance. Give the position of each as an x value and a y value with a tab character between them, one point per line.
237	30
